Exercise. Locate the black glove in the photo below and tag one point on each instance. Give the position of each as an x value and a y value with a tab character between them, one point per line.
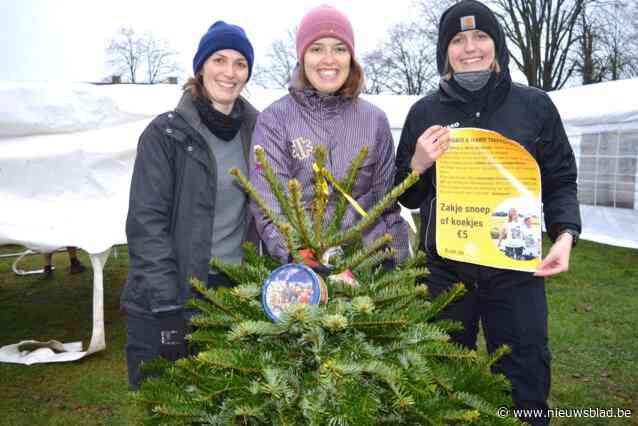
172	332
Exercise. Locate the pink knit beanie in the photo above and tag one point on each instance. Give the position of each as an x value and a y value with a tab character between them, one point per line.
324	21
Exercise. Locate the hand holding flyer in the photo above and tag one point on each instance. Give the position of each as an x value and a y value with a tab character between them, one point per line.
488	201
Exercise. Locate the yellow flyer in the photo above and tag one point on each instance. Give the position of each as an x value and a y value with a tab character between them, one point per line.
488	201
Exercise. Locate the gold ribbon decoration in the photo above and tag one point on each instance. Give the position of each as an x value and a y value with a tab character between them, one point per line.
328	177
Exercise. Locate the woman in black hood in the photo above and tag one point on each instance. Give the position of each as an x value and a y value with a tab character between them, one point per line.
476	90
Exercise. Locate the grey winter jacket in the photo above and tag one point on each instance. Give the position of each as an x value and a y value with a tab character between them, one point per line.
293	126
171	209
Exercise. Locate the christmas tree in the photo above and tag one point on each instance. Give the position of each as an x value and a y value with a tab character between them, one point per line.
371	355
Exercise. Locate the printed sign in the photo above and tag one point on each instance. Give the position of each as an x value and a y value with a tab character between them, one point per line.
488	201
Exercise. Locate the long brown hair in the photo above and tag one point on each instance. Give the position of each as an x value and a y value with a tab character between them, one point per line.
351	89
195	85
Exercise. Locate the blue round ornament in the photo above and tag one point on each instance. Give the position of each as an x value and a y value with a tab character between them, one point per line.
290	284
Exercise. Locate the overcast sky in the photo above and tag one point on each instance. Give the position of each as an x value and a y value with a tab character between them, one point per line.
53	40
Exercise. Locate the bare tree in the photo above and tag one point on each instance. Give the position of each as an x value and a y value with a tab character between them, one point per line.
281	61
429	14
589	63
159	59
131	54
404	63
545	34
125	50
619	47
374	66
608	49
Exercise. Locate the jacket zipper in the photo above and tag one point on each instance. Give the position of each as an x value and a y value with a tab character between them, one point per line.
427	227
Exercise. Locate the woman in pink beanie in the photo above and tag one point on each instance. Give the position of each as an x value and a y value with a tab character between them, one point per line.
323	108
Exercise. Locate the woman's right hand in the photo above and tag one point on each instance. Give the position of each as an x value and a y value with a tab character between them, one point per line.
432	143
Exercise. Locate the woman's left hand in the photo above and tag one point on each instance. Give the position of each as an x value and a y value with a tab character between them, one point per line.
557	260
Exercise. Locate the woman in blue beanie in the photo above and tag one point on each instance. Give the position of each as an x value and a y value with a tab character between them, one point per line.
184	206
476	90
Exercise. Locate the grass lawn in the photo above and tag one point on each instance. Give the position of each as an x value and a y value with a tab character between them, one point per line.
593	336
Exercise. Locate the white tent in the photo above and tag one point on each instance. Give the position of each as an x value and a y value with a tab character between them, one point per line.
67	151
601	121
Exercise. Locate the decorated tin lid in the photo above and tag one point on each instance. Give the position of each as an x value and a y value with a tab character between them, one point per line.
290	284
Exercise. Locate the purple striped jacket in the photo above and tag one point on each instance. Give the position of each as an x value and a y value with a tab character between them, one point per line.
292	126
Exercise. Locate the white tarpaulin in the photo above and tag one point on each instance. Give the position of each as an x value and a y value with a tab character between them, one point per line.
66	158
67	153
601	121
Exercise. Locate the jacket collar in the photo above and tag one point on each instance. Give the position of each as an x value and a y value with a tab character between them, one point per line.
310	99
448	94
188	112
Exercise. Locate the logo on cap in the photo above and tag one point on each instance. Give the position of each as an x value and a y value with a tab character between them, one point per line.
468	23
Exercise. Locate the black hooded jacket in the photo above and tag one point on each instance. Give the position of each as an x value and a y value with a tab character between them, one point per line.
524	114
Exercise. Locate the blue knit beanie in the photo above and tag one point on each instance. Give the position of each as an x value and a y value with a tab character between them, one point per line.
221	36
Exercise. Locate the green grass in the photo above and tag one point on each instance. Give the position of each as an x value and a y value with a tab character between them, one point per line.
91	391
593	336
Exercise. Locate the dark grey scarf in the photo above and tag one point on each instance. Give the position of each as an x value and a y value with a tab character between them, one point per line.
225	127
472	81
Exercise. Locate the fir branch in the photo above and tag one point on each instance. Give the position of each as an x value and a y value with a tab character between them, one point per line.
253	258
208	295
443	300
301	220
174	412
398	277
347	183
416	261
373	215
246	329
275	185
376	259
408	303
449	352
226	360
361	255
321	196
188	369
286	232
496	355
417	335
283	227
246	292
340	288
425	420
449	326
391	301
205	321
377	324
237	273
463	416
483	407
